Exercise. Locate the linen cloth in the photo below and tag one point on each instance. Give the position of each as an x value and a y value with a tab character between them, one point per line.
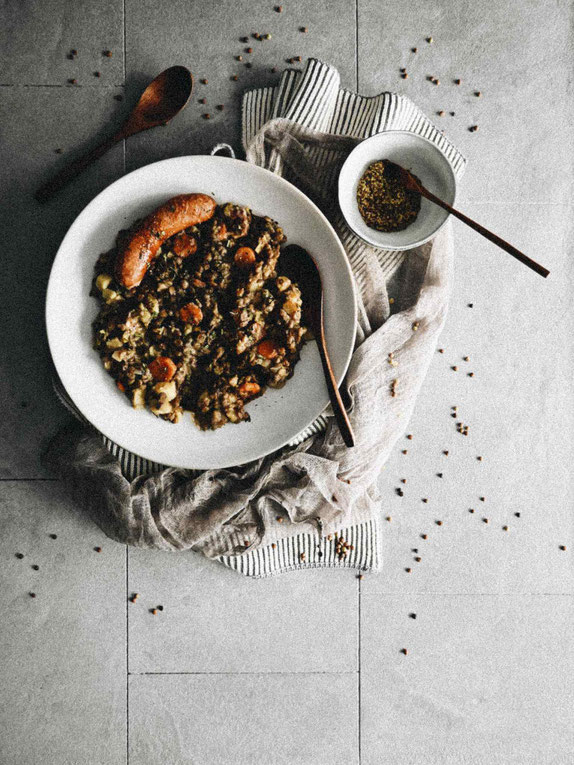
280	513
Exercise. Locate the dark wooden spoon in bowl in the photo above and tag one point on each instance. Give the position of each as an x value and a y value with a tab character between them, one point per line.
299	266
411	183
163	98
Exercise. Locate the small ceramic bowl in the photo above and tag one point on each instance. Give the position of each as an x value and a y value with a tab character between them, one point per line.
414	153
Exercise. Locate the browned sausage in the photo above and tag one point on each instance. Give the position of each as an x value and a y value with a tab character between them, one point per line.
141	246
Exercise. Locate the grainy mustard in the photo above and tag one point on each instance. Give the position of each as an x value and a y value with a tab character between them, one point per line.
384	202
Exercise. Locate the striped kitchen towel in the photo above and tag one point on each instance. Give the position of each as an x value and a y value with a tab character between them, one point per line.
314	503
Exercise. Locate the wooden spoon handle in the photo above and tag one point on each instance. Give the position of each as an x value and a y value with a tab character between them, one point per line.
488	234
335	397
76	167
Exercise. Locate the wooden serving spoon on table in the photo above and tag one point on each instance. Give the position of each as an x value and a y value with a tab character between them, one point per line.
411	183
299	266
163	98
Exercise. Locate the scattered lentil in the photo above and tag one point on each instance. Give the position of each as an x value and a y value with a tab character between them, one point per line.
388	518
471	510
473	128
404	651
268	36
234	77
471	305
19	556
273	70
425	500
204	81
153	611
239	58
97	74
441	350
403	480
446	452
424	536
429	40
36	567
439	523
471	374
32	594
304	30
418	558
98	549
53	536
479	459
220	107
244	39
439	475
202	100
454	369
273	546
414	50
107	53
482	499
410	436
505	528
249	50
485	520
279	8
360	576
413	616
408	570
72	81
477	93
440	113
451	114
405	451
405	76
563	547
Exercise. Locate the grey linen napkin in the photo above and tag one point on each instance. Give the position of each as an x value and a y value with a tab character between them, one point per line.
287	510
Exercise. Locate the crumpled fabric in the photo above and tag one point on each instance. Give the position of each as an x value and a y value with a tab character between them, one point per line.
318	484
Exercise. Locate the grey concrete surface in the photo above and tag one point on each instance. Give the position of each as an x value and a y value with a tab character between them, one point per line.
307	668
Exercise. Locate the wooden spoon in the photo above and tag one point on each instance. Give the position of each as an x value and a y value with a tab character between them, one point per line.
412	184
163	98
299	266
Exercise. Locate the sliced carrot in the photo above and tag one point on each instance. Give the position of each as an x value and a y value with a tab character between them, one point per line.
244	257
249	389
268	349
162	368
121	386
184	244
191	313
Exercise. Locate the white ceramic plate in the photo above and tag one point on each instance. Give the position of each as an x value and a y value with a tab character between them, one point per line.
414	153
276	417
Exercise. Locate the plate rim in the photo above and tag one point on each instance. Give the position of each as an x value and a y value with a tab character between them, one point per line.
420	242
48	309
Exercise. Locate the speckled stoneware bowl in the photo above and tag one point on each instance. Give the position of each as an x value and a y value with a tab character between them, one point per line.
414	153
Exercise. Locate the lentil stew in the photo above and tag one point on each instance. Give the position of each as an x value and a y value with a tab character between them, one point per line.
211	325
